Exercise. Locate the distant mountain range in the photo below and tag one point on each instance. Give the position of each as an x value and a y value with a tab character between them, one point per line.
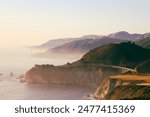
54	43
123	35
83	46
58	42
85	43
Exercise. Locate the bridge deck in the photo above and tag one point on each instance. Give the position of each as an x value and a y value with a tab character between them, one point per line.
132	77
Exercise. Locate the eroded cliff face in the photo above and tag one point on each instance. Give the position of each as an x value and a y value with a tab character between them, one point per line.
124	87
63	75
107	85
85	75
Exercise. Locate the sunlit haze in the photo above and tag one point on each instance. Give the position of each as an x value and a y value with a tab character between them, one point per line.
32	22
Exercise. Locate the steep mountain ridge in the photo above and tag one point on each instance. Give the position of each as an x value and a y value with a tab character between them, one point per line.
123	54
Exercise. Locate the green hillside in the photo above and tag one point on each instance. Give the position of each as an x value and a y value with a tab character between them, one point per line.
144	42
144	67
125	54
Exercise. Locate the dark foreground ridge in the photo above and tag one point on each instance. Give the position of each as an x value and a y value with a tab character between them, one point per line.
124	54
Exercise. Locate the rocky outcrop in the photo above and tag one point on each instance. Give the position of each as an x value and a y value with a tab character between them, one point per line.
124	87
85	75
61	75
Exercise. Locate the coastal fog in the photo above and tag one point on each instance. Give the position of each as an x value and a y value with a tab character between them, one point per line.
16	61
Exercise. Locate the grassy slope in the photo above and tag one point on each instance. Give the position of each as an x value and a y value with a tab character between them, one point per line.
144	42
144	67
124	54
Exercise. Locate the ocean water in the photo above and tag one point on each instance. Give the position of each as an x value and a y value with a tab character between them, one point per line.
19	60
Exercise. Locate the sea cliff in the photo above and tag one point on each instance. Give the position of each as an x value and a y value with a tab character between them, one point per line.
85	75
124	87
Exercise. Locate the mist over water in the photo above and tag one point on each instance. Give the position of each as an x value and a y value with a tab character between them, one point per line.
19	60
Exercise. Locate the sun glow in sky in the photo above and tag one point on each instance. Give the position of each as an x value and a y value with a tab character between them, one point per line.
32	22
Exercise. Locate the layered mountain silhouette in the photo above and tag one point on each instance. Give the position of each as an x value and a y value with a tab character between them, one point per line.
85	43
83	46
123	35
54	43
58	42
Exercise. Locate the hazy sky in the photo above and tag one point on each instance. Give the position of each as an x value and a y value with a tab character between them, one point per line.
27	22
